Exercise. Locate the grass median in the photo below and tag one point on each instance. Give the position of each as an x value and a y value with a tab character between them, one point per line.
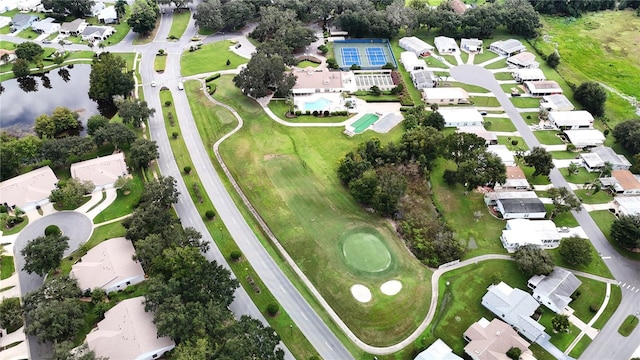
209	58
179	24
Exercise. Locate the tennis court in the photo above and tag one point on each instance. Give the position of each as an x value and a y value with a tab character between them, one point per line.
376	56
350	56
364	122
369	54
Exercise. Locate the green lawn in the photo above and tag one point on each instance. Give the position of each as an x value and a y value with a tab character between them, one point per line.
28	34
566	155
580	347
485	101
6	267
485	56
596	267
159	63
525	102
560	340
306	63
612	306
548	137
179	24
582	177
592	292
280	108
530	118
210	57
508	141
123	204
628	325
415	94
509	88
14	230
587	196
503	75
604	219
496	64
563	219
468	87
499	124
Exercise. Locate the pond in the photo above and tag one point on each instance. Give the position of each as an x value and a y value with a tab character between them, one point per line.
22	100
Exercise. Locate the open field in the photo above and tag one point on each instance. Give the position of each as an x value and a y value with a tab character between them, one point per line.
484	101
525	102
582	177
289	175
485	56
628	325
503	76
306	63
211	57
6	267
179	24
587	196
560	340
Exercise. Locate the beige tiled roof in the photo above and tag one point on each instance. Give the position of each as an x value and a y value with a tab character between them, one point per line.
101	171
311	79
28	188
492	341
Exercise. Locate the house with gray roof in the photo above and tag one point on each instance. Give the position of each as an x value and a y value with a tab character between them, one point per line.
515	307
75	28
521	208
423	79
596	159
507	47
554	102
46	26
439	350
97	33
20	22
554	290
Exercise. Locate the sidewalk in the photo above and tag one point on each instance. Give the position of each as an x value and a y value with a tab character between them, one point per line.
587	329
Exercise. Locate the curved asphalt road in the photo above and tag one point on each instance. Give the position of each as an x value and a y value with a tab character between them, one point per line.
623	269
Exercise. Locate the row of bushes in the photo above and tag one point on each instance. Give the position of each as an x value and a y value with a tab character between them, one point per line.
322	113
212	77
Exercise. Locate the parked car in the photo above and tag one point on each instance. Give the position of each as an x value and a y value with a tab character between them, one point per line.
45	41
515	94
180	86
483	113
153	84
67	42
238	46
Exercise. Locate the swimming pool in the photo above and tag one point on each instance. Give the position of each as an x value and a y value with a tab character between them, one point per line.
317	105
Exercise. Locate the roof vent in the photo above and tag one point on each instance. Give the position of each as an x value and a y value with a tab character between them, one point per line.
497	333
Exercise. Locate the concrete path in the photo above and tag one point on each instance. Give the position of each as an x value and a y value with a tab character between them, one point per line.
554	147
523	110
10	281
596	207
563	163
491	61
592	333
544	342
471	59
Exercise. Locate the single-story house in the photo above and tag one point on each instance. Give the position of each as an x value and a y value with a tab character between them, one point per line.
28	190
110	266
595	160
521	208
622	182
542	88
515	307
411	62
333	32
471	46
446	45
11	56
20	22
439	350
461	117
507	47
556	103
626	205
522	75
583	138
102	172
4	21
29	5
503	153
490	340
554	290
490	137
458	6
95	9
491	198
445	96
520	232
8	5
423	79
97	33
516	180
128	332
415	45
317	81
75	28
524	60
46	26
571	120
108	15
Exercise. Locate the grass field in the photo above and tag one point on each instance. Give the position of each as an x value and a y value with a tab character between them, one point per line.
6	267
289	176
503	76
596	267
179	24
508	141
566	155
485	101
160	63
468	87
592	292
548	137
211	57
525	102
485	56
531	118
612	306
499	124
580	347
497	64
364	251
123	204
560	340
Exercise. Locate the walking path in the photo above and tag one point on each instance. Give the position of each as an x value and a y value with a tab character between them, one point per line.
587	329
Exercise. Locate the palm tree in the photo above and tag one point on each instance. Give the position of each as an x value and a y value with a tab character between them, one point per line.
90	44
101	46
120	8
606	169
61	43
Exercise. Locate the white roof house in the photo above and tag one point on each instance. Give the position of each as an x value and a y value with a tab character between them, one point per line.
522	75
28	5
595	159
73	28
30	189
415	45
128	332
503	153
515	307
46	26
582	138
4	21
471	45
507	47
554	290
8	5
411	62
542	88
491	341
109	266
461	117
102	171
445	95
439	350
314	81
565	120
446	45
96	33
95	9
556	102
423	79
108	15
627	205
524	60
490	137
520	232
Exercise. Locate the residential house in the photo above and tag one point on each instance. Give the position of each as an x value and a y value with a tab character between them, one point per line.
571	120
521	208
584	138
110	266
491	198
20	22
11	55
96	9
523	60
128	332
74	28
490	137
556	103
8	5
29	5
439	350
503	153
108	15
102	172
520	232
473	46
46	26
542	88
516	180
97	33
445	96
317	81
411	62
5	21
458	6
522	75
515	307
507	47
596	159
626	205
491	341
423	79
416	46
622	182
28	190
554	290
461	117
446	45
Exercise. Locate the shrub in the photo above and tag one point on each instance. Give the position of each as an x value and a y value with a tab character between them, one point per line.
315	113
98	295
298	112
211	88
514	353
450	177
161	52
514	142
52	230
210	214
175	134
594	308
273	309
571	147
528	117
212	77
308	112
167	103
13	221
235	255
606	132
323	48
3	209
187	169
326	113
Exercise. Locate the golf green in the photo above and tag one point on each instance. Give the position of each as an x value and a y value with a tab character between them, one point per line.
365	252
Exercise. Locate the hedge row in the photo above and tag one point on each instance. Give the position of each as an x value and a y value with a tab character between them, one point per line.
212	77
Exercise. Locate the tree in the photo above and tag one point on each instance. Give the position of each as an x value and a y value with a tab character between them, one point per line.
480	21
55	320
236	13
391	187
248	338
461	147
61	120
282	24
532	260
133	111
20	68
44	253
163	191
483	168
95	122
573	169
627	133
563	201
108	77
143	151
144	14
592	96
553	59
263	72
75	8
29	51
422	145
198	348
121	7
65	150
116	134
514	353
520	18
626	231
576	251
11	314
71	193
209	15
560	323
435	120
541	160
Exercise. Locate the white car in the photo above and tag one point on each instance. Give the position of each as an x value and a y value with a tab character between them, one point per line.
180	86
153	84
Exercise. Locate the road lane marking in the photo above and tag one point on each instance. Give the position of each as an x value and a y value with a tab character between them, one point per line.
329	346
305	317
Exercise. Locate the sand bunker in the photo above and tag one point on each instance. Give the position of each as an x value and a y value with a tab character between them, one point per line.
361	293
391	287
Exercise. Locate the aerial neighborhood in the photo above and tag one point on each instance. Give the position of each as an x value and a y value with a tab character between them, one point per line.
336	179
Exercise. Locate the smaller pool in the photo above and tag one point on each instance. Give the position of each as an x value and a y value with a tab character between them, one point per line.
317	105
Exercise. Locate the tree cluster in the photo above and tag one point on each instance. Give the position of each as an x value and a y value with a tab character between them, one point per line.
540	160
264	73
284	25
109	77
62	120
144	14
64	8
627	133
133	111
626	231
44	253
563	200
532	260
576	251
592	96
70	193
475	165
571	8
